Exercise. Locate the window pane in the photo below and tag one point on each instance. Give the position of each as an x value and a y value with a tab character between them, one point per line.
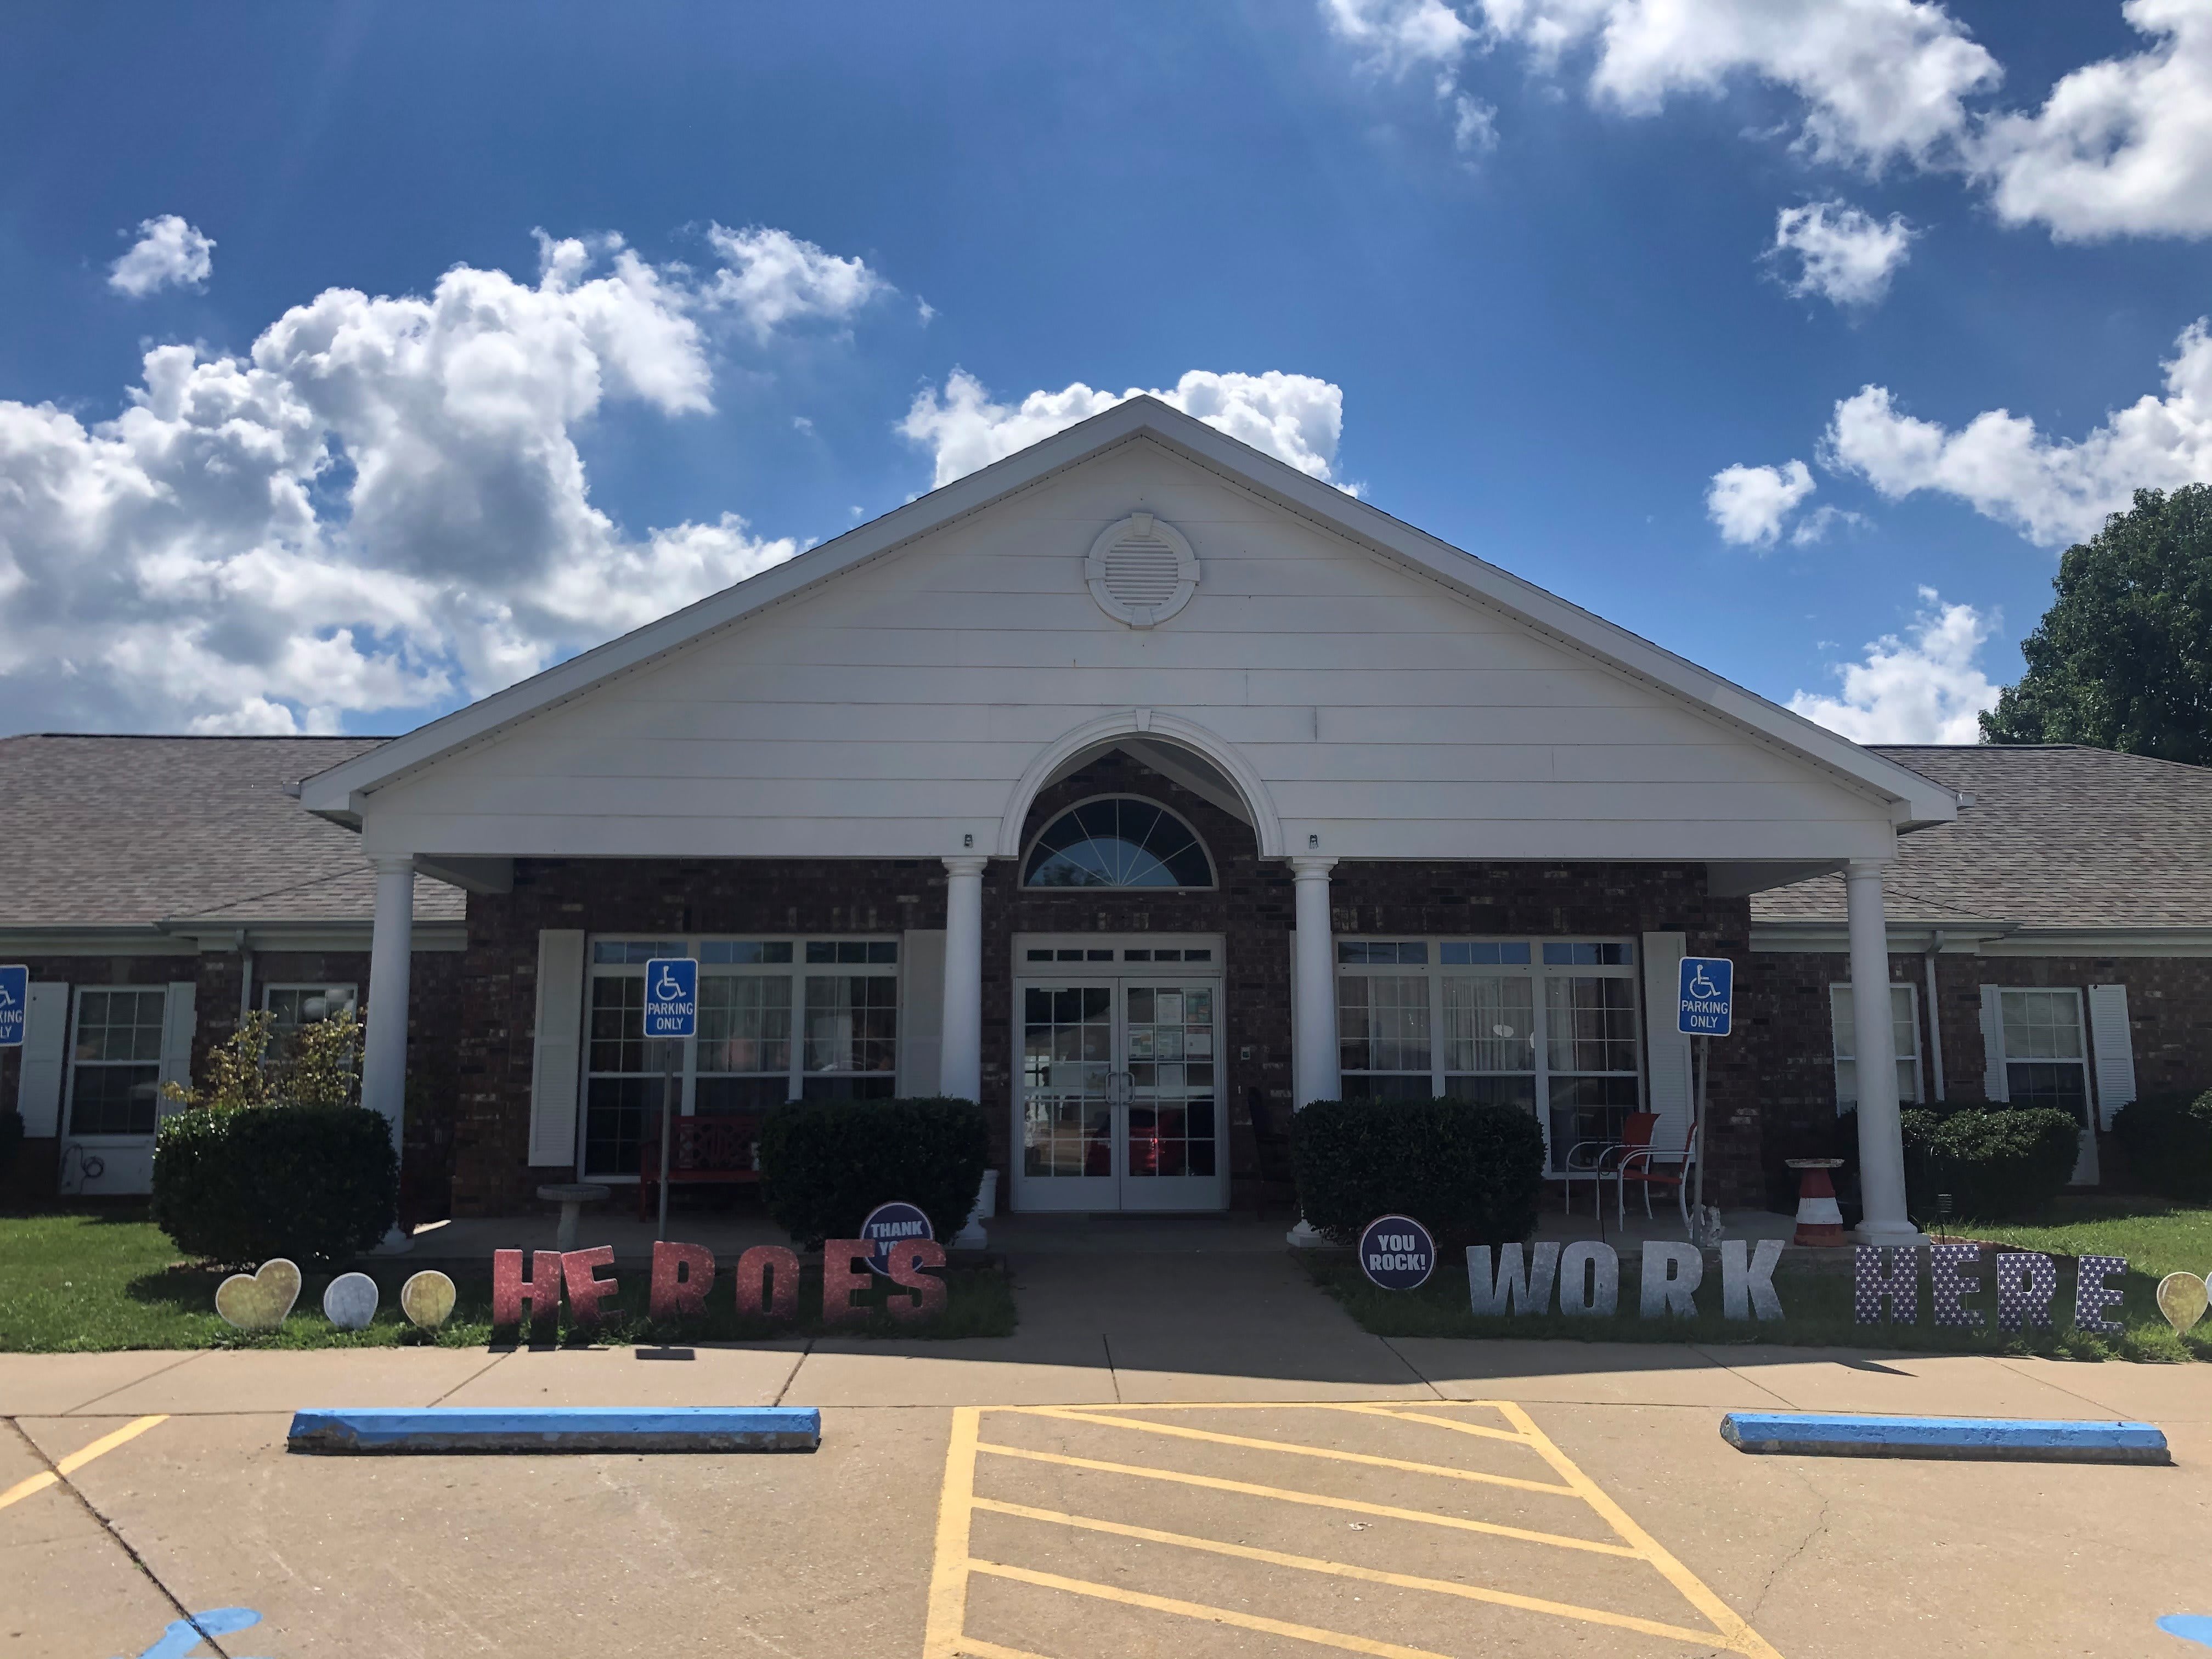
617	1036
1119	843
114	1100
1383	1023
743	952
615	1112
2041	1024
745	1023
1519	1092
1590	1023
294	1005
635	953
2061	1084
851	1022
1589	1108
120	1026
1490	1024
1579	954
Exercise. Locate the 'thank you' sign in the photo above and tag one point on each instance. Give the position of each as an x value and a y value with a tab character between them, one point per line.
1705	1005
671	997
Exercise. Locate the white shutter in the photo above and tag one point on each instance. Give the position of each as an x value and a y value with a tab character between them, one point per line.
46	1048
179	1020
1667	1090
2114	1049
920	1012
1843	1040
557	1063
1994	1086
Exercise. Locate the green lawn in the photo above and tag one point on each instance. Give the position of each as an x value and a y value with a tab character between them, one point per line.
86	1281
2156	1238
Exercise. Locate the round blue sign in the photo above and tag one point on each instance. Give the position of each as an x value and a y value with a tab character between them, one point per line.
1396	1252
892	1223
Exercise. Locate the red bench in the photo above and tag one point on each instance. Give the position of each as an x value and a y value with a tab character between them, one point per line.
720	1151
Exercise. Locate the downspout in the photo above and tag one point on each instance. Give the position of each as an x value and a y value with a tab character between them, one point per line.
245	980
1935	1012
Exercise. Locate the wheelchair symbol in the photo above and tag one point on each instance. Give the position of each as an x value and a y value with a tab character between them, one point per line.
183	1638
1702	989
667	990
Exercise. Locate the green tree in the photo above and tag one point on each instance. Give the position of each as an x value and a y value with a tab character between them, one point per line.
2123	660
319	1067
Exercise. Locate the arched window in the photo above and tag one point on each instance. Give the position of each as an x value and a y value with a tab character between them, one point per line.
1118	841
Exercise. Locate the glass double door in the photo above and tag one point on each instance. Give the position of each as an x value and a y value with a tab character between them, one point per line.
1120	1106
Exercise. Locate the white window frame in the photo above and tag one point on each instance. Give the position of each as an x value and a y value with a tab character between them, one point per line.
1435	971
1028	849
68	1114
1843	1040
797	971
269	996
2072	994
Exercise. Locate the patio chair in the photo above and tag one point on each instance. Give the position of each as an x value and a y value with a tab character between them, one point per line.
1636	1166
1595	1161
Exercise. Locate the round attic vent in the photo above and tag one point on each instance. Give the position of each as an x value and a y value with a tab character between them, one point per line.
1141	570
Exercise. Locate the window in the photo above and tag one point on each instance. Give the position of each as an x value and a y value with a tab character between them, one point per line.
115	1066
2047	1062
779	1019
1119	841
1533	1024
1905	1028
292	1006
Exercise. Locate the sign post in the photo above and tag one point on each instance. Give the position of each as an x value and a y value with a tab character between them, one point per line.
672	1016
14	1004
1704	1008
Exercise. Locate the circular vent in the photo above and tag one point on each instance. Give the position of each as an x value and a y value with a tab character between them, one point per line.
1141	571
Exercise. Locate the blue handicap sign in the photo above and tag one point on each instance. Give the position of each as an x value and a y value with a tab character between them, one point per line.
671	997
1708	987
14	997
890	1224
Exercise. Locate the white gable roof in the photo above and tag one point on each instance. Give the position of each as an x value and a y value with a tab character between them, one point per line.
1878	794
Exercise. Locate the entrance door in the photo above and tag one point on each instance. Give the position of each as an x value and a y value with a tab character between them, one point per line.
1119	1105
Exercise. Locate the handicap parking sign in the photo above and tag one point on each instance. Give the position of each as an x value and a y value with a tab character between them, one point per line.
671	997
1705	1005
14	997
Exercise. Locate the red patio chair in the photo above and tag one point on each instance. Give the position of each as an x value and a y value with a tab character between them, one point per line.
1595	1160
1636	1166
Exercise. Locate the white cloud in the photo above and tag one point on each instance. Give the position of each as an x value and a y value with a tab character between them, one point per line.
381	506
770	279
1474	123
1880	80
2121	147
1923	688
167	252
1294	418
1750	503
1399	34
1844	255
1815	526
2052	491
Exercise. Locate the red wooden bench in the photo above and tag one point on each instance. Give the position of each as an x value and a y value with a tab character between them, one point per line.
720	1151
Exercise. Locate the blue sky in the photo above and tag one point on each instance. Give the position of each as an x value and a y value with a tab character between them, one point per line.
1511	269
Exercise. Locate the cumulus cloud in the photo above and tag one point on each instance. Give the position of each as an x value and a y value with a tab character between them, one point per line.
168	253
1474	123
1395	35
380	506
1923	687
770	279
2052	491
2121	147
1750	504
1843	254
1294	418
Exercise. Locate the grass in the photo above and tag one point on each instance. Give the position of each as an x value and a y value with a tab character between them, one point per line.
86	1281
2157	1239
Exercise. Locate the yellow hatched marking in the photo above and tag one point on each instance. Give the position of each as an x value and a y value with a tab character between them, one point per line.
1476	1429
77	1460
1738	1635
1328	1638
1364	1575
974	1649
1316	1500
1331	1453
948	1580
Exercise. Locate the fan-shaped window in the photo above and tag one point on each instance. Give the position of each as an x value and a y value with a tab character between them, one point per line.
1118	841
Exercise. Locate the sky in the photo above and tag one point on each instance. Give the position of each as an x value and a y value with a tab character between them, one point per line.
358	360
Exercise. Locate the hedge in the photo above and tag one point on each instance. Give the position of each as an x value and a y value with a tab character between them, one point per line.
1470	1174
315	1183
1995	1163
824	1165
2169	1142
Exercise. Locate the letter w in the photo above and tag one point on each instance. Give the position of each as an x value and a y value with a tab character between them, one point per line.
1515	1289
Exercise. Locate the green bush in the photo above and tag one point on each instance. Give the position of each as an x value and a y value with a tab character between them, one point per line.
2169	1142
1470	1174
1995	1163
824	1165
316	1183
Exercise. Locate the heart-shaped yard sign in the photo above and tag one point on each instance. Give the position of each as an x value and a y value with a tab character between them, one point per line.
426	1298
2182	1299
259	1301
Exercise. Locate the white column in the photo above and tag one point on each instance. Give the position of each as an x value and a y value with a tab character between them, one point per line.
960	1065
1881	1142
384	1044
1314	986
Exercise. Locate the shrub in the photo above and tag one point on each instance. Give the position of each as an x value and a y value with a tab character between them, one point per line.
1995	1163
824	1165
2169	1142
1470	1174
316	1183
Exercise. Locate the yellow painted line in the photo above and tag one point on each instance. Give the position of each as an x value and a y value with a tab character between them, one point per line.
1327	1638
1067	1414
974	1649
1314	1499
77	1460
1365	1575
1477	1429
948	1579
1738	1636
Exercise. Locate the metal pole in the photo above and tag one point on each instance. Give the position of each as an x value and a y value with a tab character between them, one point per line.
1698	1178
667	1109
